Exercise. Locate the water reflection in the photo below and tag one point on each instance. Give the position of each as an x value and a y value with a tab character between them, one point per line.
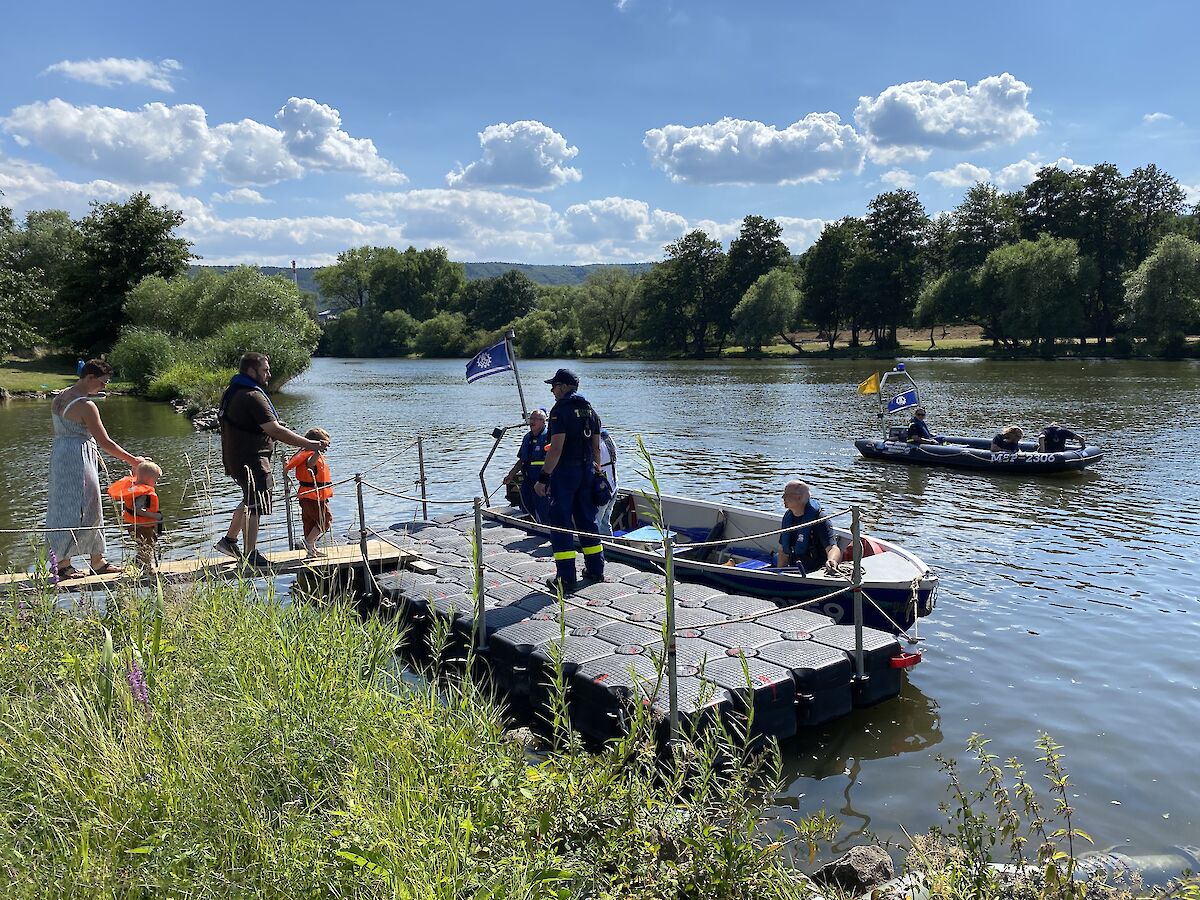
832	760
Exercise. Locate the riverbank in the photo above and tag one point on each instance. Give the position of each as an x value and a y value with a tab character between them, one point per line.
36	378
235	745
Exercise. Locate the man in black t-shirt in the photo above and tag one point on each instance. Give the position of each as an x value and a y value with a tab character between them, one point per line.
249	429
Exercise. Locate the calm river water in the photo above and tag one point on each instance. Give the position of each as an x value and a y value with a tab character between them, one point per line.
1068	604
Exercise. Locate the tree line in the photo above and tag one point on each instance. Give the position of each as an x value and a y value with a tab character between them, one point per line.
1087	255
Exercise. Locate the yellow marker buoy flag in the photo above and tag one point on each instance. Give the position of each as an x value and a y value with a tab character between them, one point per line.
871	385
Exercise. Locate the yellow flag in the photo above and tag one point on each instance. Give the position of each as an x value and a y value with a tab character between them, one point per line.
871	385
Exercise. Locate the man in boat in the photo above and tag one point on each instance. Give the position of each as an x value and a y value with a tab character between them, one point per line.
918	430
530	459
1009	440
812	546
1054	437
572	463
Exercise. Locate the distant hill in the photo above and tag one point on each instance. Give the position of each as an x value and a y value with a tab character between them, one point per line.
475	272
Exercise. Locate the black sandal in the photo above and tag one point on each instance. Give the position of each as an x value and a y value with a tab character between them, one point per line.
107	569
67	572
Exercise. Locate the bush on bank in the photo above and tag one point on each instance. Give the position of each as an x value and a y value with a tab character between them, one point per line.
185	331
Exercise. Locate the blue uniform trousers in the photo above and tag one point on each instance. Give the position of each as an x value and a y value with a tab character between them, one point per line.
571	507
538	507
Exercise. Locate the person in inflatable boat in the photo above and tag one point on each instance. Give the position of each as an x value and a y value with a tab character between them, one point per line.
918	430
1008	441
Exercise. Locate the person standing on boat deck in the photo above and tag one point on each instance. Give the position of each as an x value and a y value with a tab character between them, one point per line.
74	490
567	475
812	546
1008	441
1054	437
249	429
530	459
608	467
918	430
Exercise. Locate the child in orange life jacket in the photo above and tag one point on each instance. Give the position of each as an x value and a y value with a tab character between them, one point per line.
316	487
139	508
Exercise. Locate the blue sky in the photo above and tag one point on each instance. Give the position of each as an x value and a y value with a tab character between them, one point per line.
572	131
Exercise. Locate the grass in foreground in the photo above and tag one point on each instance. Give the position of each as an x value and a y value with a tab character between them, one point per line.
206	745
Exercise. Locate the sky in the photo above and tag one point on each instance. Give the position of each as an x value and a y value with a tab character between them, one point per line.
572	131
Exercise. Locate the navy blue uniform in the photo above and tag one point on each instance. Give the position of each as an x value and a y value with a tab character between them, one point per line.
806	546
918	429
533	456
1054	438
571	503
1006	445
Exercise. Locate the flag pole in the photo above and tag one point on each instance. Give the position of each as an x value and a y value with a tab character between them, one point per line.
512	358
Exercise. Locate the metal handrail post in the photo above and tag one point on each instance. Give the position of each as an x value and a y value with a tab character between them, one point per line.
421	469
481	640
362	535
287	505
856	581
672	659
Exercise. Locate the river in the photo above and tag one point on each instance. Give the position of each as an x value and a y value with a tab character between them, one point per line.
1068	604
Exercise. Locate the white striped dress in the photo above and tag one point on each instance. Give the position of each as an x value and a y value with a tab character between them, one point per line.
74	490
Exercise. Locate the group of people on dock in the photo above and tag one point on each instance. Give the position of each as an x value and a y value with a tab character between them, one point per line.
566	471
250	427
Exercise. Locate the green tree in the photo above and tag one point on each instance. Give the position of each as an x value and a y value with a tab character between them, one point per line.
1104	237
663	324
23	301
986	219
768	309
756	250
892	273
1156	202
45	247
1051	204
347	283
445	334
611	301
419	282
1036	287
122	243
695	269
829	294
508	297
1164	293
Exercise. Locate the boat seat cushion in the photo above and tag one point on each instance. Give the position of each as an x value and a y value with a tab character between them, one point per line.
753	564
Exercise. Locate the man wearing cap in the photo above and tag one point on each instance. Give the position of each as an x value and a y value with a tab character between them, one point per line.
571	464
1054	437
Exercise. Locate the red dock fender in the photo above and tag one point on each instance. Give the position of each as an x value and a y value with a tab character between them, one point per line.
904	660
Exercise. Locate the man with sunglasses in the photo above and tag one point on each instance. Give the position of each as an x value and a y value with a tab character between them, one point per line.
918	430
571	465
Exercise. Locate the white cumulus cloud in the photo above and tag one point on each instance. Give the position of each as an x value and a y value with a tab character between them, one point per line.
1155	117
735	151
917	116
246	196
175	144
962	175
526	155
1019	174
898	178
112	71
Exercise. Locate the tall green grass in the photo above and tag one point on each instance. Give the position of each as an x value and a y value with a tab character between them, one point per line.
278	753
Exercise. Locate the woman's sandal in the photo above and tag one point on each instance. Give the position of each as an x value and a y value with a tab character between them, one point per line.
68	572
107	569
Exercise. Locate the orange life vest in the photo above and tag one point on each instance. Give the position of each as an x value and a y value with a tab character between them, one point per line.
322	487
128	491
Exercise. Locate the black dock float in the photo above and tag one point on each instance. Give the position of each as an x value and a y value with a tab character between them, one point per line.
761	670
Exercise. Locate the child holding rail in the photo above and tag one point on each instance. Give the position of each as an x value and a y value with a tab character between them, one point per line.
316	487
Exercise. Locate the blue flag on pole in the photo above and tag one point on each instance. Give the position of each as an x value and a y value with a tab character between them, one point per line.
488	362
902	401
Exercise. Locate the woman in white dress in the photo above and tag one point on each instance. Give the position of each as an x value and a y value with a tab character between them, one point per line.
75	500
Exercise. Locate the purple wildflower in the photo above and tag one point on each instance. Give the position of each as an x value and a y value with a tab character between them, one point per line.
137	686
52	563
22	611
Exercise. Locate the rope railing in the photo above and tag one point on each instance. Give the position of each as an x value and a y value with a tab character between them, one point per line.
443	502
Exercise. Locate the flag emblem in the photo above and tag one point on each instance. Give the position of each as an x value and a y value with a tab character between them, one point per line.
902	401
489	361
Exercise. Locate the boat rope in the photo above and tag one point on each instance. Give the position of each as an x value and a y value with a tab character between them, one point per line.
400	496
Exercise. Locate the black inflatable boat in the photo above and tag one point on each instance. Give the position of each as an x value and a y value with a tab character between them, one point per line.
976	454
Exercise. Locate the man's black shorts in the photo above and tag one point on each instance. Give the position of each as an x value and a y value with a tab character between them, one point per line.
256	497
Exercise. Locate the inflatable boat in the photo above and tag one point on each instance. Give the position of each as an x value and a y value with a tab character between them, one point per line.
900	585
971	453
977	454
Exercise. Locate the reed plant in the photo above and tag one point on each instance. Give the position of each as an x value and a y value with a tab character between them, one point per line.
215	742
